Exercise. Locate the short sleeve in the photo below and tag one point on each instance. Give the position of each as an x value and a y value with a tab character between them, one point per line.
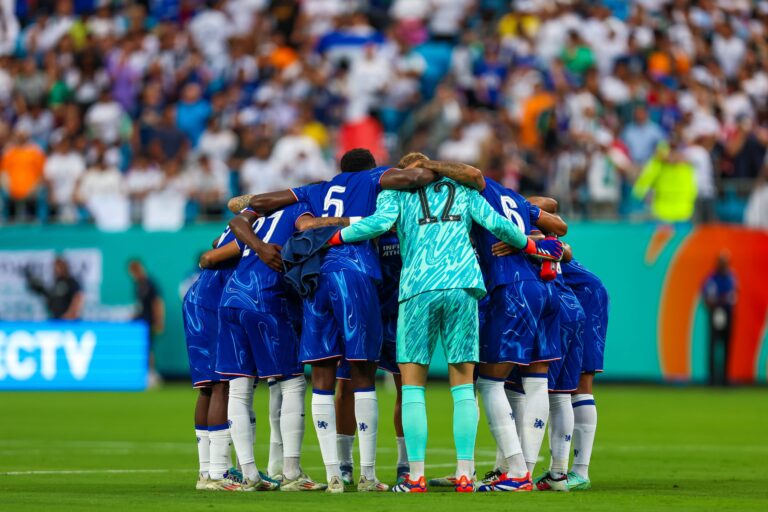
302	193
534	212
376	175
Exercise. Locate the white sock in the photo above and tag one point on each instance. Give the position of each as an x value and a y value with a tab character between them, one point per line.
324	419
219	451
345	445
292	424
402	453
585	424
516	401
465	468
239	415
417	470
502	425
203	449
367	418
560	432
535	417
275	464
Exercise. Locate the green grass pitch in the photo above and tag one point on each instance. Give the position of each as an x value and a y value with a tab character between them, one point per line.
657	449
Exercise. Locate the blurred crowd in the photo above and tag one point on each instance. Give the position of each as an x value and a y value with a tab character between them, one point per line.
157	111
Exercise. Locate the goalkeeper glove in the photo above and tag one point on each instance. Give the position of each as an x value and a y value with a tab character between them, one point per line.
549	249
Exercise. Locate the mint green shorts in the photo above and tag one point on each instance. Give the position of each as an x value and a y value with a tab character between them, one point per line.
448	316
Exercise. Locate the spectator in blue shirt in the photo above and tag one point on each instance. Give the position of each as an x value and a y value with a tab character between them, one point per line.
642	136
192	112
720	297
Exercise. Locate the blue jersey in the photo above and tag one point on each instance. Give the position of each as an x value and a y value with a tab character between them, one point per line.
253	285
578	277
349	194
508	269
206	291
570	308
391	266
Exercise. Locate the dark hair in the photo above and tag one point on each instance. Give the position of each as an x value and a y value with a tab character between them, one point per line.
358	159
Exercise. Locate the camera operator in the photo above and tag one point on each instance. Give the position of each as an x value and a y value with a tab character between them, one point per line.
64	300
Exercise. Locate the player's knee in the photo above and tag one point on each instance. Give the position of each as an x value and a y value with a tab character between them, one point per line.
585	383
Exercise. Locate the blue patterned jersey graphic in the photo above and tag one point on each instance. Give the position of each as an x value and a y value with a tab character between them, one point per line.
253	285
498	271
348	194
207	290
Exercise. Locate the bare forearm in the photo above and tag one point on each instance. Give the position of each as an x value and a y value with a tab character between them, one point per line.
321	222
236	204
243	231
458	172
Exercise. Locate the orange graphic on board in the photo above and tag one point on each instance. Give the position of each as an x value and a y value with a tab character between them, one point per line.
692	263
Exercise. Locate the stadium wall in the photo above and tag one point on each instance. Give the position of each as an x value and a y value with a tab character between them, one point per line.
658	328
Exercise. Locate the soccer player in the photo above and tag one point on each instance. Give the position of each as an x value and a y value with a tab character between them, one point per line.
200	315
563	379
520	309
593	297
439	288
342	318
257	339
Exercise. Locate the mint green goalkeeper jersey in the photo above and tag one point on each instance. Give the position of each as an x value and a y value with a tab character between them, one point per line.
433	226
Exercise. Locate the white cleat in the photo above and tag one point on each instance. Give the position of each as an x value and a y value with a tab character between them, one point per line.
301	483
202	482
366	485
335	485
225	484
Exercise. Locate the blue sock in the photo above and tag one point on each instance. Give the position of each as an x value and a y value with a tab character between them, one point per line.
415	422
464	421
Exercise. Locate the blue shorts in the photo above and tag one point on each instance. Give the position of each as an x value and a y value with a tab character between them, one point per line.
564	373
256	344
200	329
595	302
343	370
342	319
521	324
388	358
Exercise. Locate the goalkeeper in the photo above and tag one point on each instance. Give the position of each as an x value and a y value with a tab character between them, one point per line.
440	286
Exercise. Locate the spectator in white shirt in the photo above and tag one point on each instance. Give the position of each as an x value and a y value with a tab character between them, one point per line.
257	174
63	168
143	178
209	184
99	186
217	142
104	118
729	49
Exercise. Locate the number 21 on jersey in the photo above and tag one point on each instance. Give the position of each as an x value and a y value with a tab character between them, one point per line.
273	220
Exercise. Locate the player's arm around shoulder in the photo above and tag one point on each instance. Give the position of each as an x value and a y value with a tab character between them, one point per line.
504	229
214	257
382	220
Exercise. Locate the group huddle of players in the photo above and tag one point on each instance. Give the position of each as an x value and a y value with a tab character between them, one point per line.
384	264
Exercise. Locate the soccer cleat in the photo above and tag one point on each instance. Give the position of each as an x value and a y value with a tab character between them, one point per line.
301	483
234	474
465	484
497	481
408	485
225	484
446	481
346	474
367	485
202	482
264	483
335	485
402	471
547	482
577	482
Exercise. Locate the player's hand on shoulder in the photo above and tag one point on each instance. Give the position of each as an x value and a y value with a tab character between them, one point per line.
270	254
